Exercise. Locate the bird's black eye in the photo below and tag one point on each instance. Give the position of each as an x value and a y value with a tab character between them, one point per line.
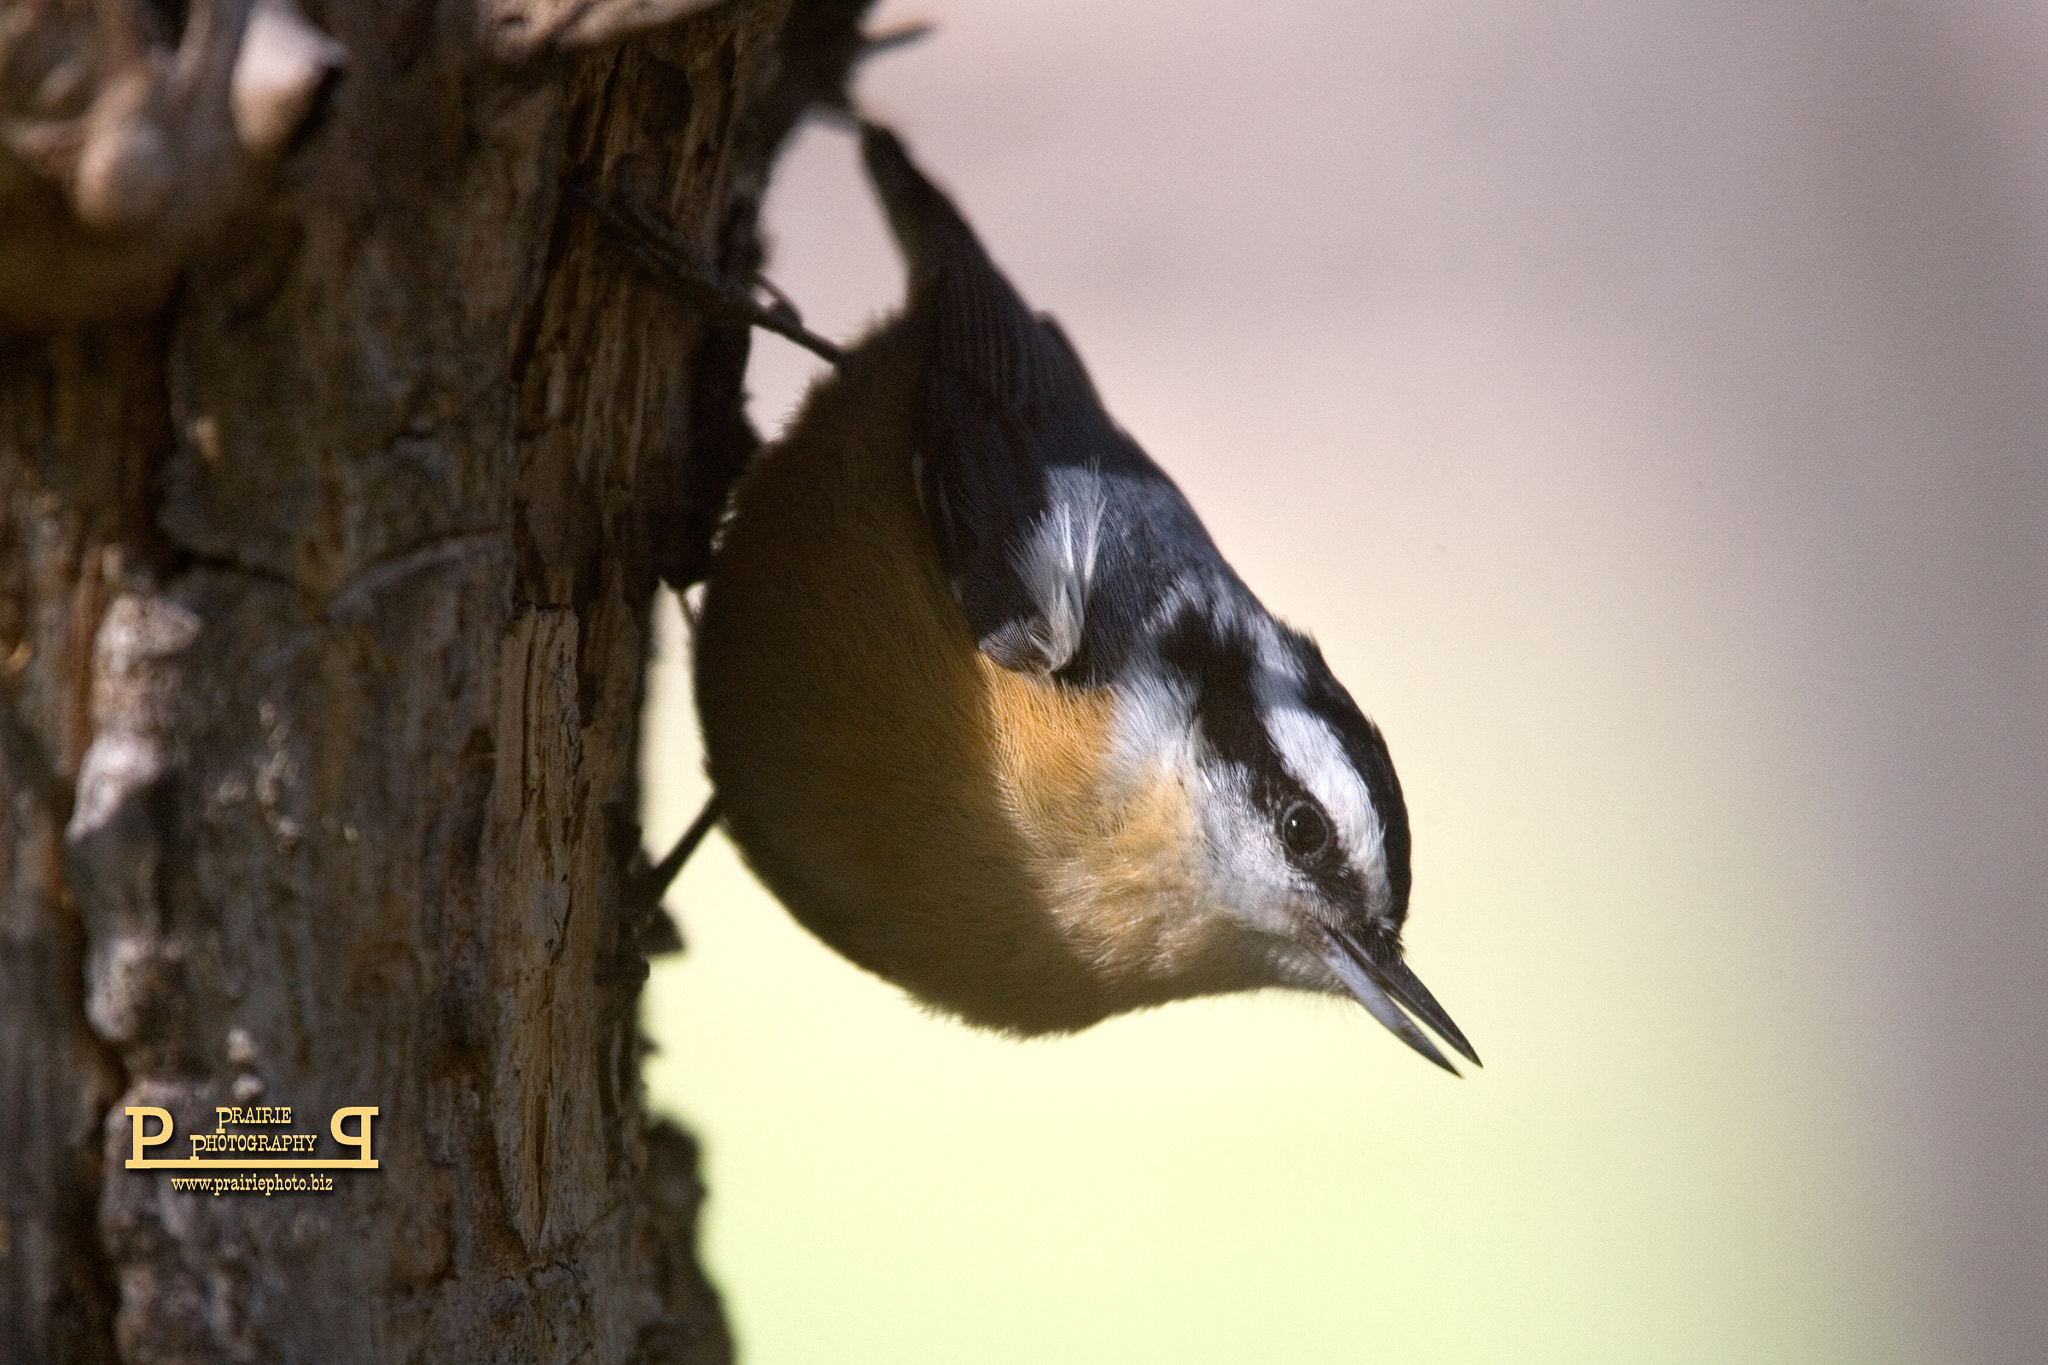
1304	830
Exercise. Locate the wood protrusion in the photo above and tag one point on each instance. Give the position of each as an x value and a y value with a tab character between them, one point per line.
283	63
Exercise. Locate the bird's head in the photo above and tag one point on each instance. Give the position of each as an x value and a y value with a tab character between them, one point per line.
1302	830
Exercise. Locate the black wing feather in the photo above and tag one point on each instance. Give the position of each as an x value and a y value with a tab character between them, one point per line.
1011	436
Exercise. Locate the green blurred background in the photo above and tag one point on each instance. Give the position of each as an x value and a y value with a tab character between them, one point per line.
1647	409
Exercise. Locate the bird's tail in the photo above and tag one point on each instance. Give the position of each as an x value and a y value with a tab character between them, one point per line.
929	230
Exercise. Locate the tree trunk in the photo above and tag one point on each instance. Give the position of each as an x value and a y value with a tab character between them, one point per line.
340	456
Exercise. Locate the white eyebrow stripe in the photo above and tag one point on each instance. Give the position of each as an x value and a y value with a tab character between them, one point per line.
1315	755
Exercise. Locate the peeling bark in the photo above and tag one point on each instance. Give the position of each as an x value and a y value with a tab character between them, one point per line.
335	482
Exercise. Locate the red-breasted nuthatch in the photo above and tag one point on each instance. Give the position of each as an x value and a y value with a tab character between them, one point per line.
987	710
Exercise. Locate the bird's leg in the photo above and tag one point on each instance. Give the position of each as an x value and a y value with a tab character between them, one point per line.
680	267
645	885
674	261
684	270
662	873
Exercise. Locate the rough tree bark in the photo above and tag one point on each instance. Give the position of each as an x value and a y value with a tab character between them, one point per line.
340	455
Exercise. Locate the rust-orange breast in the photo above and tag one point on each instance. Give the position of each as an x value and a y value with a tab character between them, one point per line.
939	820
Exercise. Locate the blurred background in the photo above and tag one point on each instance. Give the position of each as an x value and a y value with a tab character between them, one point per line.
1647	409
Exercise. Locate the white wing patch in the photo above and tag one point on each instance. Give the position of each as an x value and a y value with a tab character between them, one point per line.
1056	566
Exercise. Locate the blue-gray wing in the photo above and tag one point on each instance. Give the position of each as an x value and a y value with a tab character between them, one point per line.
1063	541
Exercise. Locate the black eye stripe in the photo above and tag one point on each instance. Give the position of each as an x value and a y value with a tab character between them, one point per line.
1221	672
1367	750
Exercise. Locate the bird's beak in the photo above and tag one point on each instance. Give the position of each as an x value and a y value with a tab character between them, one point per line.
1378	985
